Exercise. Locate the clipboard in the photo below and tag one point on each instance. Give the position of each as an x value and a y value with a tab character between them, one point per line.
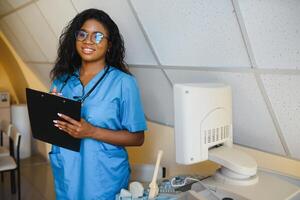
42	109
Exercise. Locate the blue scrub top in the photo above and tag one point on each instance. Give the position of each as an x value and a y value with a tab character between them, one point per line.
100	170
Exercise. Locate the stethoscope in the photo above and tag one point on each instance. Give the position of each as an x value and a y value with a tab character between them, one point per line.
90	91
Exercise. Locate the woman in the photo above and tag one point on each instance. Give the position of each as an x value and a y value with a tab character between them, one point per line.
90	68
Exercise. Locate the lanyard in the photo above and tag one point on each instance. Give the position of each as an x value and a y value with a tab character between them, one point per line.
91	90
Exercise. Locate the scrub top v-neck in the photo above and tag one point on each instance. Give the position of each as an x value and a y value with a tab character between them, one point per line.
100	169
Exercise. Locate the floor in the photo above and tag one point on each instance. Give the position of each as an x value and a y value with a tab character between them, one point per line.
36	181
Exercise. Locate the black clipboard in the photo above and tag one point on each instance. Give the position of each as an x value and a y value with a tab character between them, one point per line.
42	109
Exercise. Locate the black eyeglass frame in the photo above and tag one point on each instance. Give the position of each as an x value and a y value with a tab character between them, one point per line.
92	39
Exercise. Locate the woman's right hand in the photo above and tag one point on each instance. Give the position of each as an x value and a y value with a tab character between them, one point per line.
54	92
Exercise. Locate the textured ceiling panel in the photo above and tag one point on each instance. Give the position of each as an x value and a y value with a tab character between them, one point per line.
17	3
284	94
274	31
5	7
137	49
13	40
58	13
157	94
252	124
193	32
42	71
40	30
24	37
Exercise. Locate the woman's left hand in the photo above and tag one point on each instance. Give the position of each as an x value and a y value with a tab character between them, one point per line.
77	129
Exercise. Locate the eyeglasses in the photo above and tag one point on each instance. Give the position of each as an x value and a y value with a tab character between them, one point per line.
97	37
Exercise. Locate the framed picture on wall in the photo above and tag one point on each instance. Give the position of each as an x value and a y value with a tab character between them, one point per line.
4	99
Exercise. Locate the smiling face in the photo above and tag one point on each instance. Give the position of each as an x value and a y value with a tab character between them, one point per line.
89	50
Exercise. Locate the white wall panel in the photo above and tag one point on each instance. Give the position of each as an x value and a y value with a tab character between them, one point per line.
252	124
193	32
13	41
274	31
137	49
24	37
17	3
5	7
42	71
157	94
58	13
40	30
284	94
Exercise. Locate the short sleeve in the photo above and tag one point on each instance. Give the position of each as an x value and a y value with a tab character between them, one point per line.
131	109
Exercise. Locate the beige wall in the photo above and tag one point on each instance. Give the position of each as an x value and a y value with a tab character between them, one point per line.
162	137
18	72
5	85
15	76
13	71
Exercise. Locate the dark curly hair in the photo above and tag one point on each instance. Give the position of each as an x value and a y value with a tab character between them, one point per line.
68	60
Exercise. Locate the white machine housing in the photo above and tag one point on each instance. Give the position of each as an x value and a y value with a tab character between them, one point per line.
203	131
203	119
